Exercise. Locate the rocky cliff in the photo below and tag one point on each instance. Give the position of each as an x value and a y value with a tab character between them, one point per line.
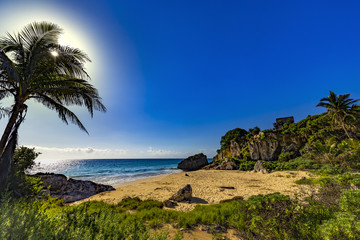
263	146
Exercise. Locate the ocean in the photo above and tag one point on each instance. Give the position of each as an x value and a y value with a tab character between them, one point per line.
110	171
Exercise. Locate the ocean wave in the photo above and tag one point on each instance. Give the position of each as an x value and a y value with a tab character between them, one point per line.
111	171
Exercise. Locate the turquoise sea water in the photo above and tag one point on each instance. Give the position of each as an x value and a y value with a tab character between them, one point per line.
110	171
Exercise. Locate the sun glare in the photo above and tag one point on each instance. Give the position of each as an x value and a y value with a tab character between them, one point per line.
54	53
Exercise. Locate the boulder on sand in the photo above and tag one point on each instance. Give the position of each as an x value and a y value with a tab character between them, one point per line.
193	163
184	194
259	167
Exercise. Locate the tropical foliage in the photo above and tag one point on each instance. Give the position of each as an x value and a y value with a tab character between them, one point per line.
34	66
342	110
329	138
317	215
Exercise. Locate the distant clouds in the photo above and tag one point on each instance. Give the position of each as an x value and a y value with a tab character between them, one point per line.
57	153
50	153
163	152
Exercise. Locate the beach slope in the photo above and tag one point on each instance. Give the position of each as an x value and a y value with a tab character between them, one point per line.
208	186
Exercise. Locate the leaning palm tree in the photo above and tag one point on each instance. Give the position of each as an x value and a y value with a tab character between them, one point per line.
341	109
34	66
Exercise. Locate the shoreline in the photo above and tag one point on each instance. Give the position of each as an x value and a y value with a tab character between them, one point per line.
208	186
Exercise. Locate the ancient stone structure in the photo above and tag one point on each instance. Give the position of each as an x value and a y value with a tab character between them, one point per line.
281	121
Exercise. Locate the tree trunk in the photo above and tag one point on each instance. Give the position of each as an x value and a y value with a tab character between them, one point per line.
9	127
5	160
346	132
8	143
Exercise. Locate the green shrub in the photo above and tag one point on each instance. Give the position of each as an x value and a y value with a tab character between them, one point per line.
19	184
346	223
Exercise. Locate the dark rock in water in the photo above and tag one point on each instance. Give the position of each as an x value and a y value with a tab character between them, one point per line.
169	203
184	194
193	163
70	190
259	167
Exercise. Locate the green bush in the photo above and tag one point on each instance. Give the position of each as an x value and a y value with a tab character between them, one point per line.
346	223
18	183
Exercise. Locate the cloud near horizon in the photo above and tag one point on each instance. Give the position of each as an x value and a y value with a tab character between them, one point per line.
163	152
57	153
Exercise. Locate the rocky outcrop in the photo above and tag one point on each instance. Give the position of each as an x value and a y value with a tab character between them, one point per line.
263	146
264	149
259	168
226	164
235	149
170	203
70	190
184	194
193	163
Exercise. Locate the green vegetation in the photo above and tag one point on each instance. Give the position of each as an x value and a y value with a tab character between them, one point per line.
326	141
274	216
330	210
20	184
34	66
327	144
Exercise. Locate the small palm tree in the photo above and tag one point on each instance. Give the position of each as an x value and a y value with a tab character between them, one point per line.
341	109
34	66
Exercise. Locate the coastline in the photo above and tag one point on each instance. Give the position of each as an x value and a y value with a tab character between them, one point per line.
208	186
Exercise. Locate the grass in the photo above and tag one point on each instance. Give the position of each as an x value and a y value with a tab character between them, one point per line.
272	216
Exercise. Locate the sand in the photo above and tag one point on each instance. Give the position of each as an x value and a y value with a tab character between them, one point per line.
208	186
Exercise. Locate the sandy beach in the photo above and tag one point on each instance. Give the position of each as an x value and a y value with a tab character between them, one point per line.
208	186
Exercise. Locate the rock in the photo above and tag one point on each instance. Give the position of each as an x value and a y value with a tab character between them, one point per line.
193	163
210	166
70	190
183	194
226	187
235	149
259	167
226	164
265	149
43	193
169	203
56	181
230	165
219	229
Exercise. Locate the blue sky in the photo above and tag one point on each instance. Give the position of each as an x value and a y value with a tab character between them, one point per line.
176	75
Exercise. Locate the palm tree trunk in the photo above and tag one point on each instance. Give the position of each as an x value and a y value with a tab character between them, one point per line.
346	132
9	127
5	159
8	143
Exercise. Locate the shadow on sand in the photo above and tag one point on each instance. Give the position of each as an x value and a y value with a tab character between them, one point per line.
198	200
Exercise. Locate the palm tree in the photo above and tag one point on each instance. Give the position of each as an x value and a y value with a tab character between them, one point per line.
341	108
34	66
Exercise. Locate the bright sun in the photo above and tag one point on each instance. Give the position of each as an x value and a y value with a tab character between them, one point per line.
54	53
75	33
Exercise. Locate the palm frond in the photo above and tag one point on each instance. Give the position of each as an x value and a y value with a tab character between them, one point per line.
64	113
